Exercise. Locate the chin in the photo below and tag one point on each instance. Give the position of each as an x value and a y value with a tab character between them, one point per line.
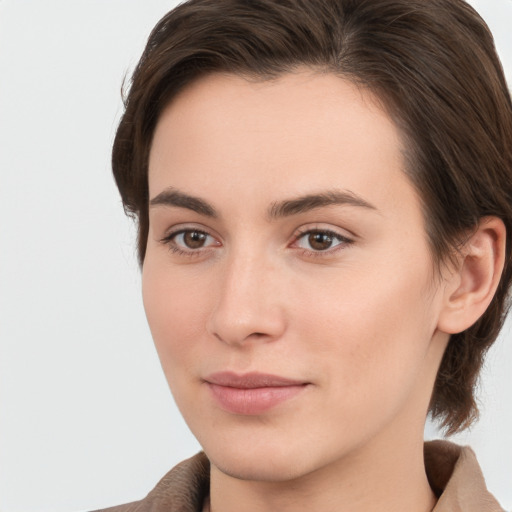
267	457
261	467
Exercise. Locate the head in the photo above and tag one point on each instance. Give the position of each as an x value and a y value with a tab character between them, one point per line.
429	68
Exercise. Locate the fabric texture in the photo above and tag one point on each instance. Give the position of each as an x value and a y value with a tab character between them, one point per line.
452	471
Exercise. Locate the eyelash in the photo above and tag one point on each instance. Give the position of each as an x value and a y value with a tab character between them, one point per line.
169	240
343	241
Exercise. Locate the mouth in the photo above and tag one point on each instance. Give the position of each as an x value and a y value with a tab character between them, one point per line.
252	393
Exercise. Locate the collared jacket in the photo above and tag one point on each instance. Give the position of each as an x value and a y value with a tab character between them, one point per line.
452	471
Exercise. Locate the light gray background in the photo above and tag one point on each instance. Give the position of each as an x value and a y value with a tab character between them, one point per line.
86	419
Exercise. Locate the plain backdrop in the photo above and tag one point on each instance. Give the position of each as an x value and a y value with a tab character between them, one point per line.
86	419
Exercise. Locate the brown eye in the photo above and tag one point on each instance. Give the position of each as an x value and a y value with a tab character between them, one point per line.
319	241
190	241
194	239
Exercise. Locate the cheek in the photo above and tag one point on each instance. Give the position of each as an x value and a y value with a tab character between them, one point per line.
176	309
371	333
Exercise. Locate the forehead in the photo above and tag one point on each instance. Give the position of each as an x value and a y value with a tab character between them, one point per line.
293	105
298	132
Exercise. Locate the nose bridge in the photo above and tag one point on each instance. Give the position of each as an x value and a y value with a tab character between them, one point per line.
247	303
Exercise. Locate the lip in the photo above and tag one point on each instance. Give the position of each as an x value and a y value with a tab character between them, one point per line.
252	393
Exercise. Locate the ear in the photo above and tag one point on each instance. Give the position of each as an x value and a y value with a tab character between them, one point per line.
470	286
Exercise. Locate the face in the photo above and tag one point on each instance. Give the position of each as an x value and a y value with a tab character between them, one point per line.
288	282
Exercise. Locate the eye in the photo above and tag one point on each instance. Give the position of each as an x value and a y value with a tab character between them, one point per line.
189	240
192	239
318	240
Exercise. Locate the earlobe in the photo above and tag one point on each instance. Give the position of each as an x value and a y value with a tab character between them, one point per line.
471	286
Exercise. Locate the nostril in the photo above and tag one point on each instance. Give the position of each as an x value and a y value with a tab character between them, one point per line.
241	339
234	320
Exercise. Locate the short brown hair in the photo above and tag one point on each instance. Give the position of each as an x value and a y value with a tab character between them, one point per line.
434	66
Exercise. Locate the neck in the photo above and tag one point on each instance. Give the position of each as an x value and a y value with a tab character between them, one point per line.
373	479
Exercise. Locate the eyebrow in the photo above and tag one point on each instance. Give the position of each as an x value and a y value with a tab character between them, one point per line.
173	197
312	201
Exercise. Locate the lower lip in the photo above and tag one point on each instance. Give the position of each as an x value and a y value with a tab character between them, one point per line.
253	401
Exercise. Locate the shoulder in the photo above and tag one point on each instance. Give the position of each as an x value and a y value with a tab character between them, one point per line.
182	489
455	476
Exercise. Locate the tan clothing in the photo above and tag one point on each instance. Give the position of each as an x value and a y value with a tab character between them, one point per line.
452	470
456	479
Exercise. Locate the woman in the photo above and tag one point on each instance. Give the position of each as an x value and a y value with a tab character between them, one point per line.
324	197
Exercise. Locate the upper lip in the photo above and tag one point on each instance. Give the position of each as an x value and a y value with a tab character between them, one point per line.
251	380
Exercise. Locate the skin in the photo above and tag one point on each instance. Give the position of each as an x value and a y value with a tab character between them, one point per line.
363	321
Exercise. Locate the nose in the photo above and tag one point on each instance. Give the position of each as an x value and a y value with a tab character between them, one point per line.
248	305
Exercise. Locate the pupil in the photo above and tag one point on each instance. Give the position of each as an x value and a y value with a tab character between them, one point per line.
194	239
320	241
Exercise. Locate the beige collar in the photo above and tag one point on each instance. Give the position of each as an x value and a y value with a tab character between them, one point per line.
455	477
453	474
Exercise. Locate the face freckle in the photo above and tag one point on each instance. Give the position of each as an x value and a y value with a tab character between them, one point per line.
347	313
